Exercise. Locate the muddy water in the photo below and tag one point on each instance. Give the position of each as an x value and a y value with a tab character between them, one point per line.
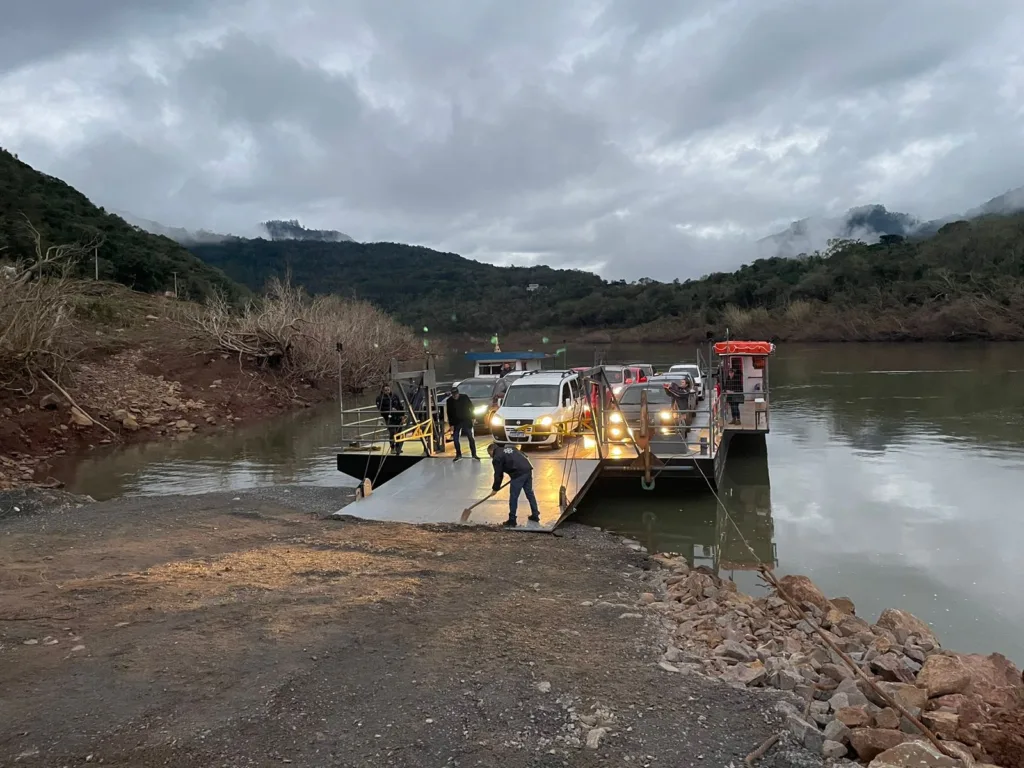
893	474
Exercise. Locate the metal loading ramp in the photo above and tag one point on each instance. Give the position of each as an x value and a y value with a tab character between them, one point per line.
437	490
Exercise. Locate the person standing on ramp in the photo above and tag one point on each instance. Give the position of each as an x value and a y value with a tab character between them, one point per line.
460	418
514	463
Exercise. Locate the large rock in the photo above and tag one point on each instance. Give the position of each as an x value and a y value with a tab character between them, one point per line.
994	678
910	696
836	730
887	717
893	668
833	749
746	674
731	649
803	590
942	724
806	733
904	624
79	417
942	674
914	754
868	743
49	402
951	703
853	717
844	605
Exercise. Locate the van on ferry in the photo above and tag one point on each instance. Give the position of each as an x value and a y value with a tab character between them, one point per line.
540	408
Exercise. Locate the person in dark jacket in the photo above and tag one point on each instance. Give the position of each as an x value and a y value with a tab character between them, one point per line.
460	417
507	460
390	407
734	393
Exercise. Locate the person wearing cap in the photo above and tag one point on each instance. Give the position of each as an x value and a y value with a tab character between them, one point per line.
507	460
459	410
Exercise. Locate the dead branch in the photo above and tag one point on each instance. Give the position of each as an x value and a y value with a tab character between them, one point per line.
758	753
68	397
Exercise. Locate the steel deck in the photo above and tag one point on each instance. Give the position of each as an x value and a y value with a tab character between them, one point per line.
437	490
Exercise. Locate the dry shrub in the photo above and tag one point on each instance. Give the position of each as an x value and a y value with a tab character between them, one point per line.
289	330
36	315
745	320
799	311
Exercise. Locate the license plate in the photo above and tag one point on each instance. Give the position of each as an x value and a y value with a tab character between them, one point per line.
515	434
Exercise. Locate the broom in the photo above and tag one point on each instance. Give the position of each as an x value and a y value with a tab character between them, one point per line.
468	510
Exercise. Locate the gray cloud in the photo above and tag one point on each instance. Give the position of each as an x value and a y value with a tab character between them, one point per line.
655	139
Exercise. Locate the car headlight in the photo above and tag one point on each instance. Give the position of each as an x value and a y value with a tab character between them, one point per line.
617	390
665	415
480	409
545	421
615	418
497	421
615	432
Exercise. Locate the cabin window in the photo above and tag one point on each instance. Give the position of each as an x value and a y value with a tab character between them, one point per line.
759	363
574	388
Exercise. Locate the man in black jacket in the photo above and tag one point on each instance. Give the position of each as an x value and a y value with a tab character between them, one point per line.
390	407
460	416
507	460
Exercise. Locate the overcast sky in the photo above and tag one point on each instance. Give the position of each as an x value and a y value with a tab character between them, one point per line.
635	137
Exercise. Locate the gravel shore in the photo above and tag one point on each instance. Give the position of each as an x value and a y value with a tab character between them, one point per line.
247	630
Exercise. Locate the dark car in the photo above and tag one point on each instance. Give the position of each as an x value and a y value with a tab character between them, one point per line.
661	417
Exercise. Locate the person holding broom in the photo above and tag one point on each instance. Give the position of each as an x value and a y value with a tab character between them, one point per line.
514	463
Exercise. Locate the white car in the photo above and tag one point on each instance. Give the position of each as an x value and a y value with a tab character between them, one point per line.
694	371
541	408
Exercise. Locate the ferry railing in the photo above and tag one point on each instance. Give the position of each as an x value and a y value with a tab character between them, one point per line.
754	411
362	426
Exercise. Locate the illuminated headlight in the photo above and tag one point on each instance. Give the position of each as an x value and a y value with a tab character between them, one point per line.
497	421
666	431
615	418
479	410
617	390
545	421
615	432
665	415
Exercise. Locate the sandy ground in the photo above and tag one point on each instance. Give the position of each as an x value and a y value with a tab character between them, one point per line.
247	630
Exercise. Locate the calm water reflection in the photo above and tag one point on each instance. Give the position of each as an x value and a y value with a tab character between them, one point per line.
893	475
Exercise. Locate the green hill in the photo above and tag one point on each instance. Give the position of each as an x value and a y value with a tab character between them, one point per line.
127	255
967	281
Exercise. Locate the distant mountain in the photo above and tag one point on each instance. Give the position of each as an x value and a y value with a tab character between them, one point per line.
124	253
178	234
1003	205
293	230
867	223
274	229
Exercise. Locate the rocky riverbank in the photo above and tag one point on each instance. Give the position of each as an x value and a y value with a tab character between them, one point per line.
159	389
971	703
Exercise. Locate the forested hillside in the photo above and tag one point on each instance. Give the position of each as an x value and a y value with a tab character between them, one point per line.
965	281
127	254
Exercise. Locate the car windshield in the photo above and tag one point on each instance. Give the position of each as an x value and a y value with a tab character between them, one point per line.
614	376
693	370
655	394
477	390
531	396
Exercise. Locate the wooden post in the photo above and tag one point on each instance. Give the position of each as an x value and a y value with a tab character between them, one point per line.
175	285
341	389
96	261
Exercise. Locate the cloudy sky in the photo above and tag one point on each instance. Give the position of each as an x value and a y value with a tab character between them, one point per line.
636	137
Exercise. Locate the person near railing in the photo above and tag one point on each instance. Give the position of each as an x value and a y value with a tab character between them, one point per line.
734	393
390	407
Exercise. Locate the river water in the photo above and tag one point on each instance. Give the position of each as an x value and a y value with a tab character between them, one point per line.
893	474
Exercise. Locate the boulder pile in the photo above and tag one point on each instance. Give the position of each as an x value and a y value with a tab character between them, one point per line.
974	704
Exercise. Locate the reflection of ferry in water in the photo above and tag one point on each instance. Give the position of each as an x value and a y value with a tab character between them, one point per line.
696	524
